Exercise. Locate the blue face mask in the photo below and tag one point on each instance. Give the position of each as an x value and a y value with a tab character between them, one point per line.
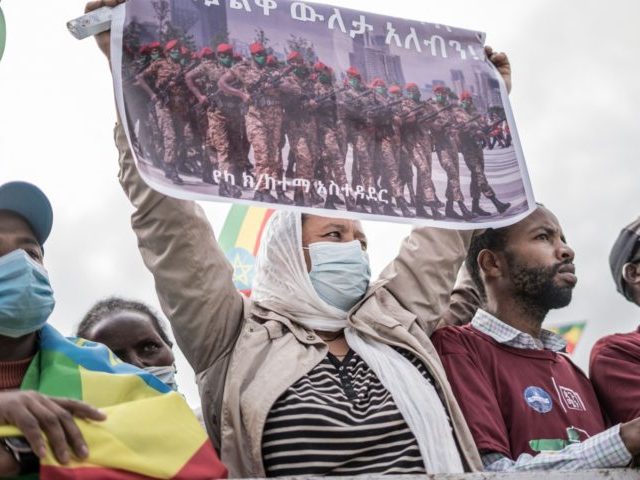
26	297
339	273
166	375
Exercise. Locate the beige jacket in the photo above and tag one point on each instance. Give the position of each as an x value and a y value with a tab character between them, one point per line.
244	356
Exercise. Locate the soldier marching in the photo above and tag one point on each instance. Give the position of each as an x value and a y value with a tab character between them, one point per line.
261	104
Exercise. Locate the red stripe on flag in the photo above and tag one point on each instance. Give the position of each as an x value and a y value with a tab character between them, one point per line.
267	215
203	465
49	472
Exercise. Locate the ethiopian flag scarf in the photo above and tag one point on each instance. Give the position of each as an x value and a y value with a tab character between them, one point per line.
150	431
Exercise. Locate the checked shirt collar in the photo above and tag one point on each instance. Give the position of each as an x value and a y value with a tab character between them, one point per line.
512	337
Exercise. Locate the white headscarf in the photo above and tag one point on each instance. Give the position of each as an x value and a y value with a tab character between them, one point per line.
282	283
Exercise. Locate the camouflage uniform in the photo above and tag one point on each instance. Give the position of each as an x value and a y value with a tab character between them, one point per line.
163	73
417	141
139	110
472	152
239	145
447	150
217	136
329	134
360	133
300	126
470	128
387	145
263	121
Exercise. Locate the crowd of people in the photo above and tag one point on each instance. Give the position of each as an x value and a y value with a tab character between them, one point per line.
209	108
440	366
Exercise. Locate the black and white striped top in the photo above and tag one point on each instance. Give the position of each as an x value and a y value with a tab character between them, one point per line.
339	420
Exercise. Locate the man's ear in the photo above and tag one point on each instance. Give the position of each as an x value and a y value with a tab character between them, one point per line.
631	273
490	264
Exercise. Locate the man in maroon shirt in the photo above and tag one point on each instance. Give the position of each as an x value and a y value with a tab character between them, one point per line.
615	360
521	395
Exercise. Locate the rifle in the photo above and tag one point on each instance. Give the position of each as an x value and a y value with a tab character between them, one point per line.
485	130
164	94
329	95
269	80
466	122
434	115
353	102
420	106
380	108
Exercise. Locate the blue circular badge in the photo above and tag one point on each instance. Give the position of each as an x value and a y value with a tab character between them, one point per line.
538	399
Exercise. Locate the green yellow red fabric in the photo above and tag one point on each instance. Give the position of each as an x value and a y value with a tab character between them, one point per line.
150	431
240	239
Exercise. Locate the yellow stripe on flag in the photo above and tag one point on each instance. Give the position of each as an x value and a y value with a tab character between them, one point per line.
248	235
119	442
102	389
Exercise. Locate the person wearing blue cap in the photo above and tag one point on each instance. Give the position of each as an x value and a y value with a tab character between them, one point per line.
26	301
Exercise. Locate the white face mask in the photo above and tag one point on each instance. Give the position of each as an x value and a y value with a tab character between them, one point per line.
340	272
166	374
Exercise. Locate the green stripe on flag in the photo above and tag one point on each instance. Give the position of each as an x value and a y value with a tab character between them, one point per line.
232	226
62	378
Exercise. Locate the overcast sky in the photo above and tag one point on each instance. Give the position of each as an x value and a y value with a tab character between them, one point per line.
576	101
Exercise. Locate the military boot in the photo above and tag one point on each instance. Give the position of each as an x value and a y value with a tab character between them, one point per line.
229	190
267	197
300	198
404	207
375	207
501	207
282	198
351	205
361	205
207	173
236	191
264	196
336	199
387	209
435	213
476	209
315	197
222	189
171	173
329	202
257	196
450	212
466	214
421	211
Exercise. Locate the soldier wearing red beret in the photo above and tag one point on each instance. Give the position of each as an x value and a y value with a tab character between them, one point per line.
263	119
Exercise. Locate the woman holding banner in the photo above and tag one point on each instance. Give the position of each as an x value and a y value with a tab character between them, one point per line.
320	372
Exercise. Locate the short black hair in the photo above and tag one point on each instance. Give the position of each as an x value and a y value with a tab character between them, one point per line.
112	305
494	239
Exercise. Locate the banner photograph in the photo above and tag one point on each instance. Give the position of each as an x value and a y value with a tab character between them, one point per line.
325	109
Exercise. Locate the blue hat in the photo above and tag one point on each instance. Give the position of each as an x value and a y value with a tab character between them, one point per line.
30	203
